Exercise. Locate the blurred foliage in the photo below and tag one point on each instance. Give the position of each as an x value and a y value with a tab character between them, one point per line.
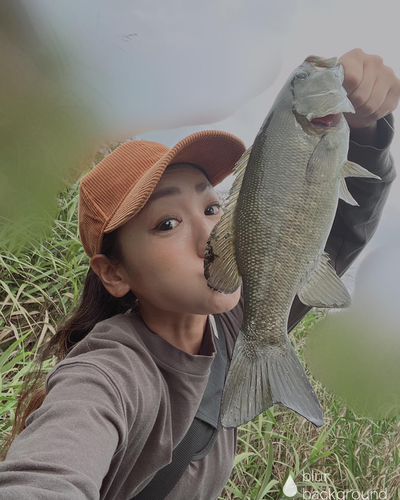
46	135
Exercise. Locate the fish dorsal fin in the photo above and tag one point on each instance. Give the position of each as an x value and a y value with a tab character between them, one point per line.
324	288
322	62
220	267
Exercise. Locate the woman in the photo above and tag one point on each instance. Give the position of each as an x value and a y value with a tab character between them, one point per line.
146	352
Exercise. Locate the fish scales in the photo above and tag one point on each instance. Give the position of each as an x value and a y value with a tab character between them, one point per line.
288	208
272	237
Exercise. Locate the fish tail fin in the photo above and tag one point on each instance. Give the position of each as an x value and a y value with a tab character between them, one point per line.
255	384
246	391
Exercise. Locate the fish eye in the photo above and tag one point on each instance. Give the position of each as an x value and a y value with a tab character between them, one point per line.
302	75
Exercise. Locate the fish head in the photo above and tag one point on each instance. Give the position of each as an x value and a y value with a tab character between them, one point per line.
318	96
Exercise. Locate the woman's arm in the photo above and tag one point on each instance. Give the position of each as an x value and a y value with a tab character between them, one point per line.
67	447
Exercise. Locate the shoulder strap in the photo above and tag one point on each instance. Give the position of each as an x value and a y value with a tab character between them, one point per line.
196	439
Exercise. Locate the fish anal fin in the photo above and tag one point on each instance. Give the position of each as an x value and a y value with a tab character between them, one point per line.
220	266
254	384
324	287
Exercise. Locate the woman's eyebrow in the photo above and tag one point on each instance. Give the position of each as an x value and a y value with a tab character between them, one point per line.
173	190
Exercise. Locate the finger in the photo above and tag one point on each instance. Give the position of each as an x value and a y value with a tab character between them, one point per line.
353	70
366	107
363	92
390	104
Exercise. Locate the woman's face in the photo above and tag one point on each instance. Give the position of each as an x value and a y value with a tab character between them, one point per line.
163	245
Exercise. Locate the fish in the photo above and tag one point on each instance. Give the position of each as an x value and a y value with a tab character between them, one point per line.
271	238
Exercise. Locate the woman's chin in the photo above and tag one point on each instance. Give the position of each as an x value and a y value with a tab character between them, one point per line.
223	302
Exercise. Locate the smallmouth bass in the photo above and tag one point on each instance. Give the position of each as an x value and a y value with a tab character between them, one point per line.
272	236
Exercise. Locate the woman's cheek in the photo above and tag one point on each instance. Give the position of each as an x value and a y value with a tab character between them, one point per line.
171	258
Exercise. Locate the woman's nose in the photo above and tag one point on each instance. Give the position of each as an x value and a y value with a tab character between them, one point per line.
201	232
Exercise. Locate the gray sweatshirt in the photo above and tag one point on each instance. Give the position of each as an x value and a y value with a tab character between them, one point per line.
124	397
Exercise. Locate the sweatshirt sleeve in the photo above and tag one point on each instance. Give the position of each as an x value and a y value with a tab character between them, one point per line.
68	443
353	226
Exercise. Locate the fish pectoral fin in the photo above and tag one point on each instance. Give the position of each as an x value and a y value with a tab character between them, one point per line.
324	287
345	194
220	266
351	169
322	160
255	384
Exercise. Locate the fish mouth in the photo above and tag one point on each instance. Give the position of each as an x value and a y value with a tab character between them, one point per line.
327	121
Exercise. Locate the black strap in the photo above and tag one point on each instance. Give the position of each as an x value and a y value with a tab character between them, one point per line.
167	477
198	441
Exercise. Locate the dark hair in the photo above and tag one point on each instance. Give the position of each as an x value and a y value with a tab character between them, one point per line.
95	304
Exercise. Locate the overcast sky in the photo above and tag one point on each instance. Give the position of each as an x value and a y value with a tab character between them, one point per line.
161	70
327	29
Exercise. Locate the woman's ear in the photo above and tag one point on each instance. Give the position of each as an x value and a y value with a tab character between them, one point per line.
112	278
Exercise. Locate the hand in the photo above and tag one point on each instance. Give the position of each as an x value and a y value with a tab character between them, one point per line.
372	87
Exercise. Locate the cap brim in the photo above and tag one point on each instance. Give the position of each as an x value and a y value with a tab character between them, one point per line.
215	151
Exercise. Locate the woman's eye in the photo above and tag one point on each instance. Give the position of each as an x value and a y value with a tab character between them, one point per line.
215	209
167	225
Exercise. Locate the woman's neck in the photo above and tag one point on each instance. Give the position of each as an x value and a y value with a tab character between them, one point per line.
184	331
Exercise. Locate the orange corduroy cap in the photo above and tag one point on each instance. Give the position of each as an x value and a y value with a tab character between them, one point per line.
118	187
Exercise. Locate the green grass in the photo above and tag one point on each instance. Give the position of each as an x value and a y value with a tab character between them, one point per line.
347	454
39	285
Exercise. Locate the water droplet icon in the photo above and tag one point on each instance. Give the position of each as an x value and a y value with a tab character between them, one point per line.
290	488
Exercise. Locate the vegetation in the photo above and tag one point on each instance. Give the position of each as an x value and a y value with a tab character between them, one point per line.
40	284
349	457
